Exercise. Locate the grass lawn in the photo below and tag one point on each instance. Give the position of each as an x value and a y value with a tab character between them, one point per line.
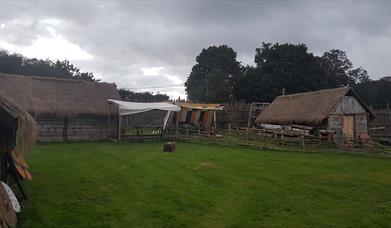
137	185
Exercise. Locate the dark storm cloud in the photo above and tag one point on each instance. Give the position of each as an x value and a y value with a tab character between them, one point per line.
124	37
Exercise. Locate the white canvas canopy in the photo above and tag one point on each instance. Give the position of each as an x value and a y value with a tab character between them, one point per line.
129	108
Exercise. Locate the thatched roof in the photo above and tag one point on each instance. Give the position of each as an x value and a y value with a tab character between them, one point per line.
61	97
310	108
18	119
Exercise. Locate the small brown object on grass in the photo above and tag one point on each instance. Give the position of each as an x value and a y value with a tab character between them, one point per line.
169	147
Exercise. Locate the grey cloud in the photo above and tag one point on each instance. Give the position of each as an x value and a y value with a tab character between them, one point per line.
125	36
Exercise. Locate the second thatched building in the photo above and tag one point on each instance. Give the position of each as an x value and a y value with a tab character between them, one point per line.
339	110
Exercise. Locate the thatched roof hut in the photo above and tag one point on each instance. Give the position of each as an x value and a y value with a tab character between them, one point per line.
40	95
17	127
310	108
63	109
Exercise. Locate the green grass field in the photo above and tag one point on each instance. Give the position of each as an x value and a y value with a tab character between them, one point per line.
137	185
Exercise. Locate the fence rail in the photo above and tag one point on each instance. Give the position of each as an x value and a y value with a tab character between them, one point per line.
279	142
237	111
382	119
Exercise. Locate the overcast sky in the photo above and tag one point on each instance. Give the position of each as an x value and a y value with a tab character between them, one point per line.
154	44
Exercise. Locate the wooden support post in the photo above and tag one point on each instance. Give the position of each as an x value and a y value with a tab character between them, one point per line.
65	130
214	122
320	139
187	133
176	127
249	115
230	118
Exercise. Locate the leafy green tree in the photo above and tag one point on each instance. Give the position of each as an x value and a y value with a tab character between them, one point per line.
278	67
293	68
211	77
127	95
386	78
376	93
339	69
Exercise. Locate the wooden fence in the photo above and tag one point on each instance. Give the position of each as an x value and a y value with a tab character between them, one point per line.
238	112
381	125
263	140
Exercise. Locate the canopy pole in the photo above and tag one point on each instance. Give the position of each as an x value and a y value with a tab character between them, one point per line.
119	126
166	118
109	122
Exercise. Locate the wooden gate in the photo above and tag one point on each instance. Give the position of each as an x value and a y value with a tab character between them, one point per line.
348	126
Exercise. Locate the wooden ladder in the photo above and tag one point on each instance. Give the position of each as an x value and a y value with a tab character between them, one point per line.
255	109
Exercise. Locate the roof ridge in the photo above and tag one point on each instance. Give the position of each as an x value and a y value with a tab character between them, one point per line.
314	92
49	78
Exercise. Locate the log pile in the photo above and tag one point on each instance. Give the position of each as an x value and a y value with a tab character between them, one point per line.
287	130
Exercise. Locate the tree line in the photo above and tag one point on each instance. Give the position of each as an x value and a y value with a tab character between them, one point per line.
128	95
218	76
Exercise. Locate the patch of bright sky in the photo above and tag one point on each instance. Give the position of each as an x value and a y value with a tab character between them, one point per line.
159	71
54	46
151	71
172	91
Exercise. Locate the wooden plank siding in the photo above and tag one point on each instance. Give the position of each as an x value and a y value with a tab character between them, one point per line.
79	128
349	107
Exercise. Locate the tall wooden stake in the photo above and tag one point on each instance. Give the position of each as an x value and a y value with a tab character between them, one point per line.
109	121
119	126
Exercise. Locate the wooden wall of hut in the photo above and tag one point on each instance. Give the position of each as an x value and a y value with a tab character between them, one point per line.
349	108
79	128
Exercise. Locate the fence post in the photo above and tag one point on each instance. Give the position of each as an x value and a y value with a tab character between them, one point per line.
187	133
320	139
229	133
